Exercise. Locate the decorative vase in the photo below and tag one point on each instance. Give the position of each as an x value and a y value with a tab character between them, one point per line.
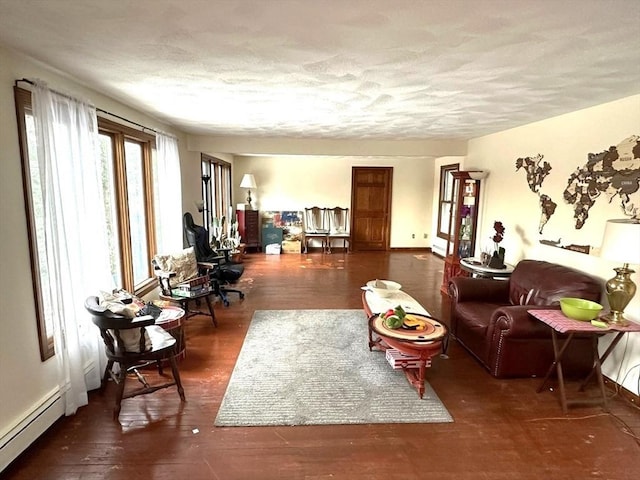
497	259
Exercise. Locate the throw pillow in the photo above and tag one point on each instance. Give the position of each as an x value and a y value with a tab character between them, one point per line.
184	264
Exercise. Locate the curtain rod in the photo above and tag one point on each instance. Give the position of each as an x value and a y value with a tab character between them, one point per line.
31	82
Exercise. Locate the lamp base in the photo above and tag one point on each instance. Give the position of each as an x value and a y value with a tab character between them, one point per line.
620	290
615	318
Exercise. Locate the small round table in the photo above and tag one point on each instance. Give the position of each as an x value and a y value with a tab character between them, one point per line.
477	269
423	344
172	320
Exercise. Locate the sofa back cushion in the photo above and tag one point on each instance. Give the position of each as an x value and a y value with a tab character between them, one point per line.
536	282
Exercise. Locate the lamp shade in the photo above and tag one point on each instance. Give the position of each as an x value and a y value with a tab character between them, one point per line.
478	174
621	242
248	181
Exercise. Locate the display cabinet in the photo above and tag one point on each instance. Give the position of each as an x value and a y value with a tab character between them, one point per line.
462	226
249	228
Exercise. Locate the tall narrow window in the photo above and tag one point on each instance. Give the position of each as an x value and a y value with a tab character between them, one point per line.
216	189
127	159
447	199
34	213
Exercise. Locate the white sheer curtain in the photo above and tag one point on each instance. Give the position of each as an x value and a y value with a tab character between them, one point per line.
168	195
75	245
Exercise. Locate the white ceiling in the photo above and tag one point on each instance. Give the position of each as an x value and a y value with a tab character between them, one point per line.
342	69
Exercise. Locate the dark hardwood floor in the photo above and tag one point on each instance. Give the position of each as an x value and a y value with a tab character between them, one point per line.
502	429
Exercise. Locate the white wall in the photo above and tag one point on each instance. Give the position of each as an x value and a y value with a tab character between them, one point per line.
296	182
565	142
27	384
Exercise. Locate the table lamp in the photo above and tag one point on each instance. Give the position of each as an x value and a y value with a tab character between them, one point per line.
248	182
621	243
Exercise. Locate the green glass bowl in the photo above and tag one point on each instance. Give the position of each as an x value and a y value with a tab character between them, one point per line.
580	309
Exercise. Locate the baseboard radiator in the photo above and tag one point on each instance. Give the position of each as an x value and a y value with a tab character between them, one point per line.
18	439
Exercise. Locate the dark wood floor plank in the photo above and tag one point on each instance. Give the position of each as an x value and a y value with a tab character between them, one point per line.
502	429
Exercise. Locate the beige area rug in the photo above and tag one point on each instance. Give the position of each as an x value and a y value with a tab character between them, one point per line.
314	367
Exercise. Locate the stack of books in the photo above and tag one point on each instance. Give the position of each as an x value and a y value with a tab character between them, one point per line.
192	288
399	360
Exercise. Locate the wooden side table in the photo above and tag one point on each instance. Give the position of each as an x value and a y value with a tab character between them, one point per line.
172	320
559	323
185	301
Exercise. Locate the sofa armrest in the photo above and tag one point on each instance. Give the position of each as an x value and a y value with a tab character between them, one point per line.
486	290
514	321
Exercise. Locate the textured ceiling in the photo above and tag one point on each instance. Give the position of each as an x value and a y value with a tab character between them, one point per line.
374	69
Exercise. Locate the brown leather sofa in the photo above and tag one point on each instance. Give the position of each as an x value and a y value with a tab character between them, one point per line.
489	318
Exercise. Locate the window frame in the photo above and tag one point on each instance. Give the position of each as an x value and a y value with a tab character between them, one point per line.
24	106
446	177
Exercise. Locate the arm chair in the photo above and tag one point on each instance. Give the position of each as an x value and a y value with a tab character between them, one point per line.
315	226
223	271
339	228
490	318
133	343
185	281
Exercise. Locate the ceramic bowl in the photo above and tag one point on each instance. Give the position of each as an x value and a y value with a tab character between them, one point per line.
383	288
580	309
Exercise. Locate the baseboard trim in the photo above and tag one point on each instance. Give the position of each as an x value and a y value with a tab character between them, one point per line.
18	439
623	392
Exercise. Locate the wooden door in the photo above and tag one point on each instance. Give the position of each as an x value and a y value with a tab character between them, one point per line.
371	207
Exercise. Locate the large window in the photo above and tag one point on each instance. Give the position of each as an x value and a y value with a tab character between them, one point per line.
126	164
126	157
216	189
447	199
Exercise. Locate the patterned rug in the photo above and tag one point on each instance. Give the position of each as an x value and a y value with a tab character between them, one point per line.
314	367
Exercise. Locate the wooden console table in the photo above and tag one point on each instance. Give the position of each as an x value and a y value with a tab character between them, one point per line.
559	323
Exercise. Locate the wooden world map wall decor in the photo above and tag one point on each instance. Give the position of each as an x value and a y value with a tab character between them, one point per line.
613	174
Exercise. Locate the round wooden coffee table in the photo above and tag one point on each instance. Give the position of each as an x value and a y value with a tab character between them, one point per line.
423	344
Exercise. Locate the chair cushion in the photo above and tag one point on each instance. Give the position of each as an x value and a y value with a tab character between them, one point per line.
183	263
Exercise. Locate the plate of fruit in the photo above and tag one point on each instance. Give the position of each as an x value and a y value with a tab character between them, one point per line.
397	323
